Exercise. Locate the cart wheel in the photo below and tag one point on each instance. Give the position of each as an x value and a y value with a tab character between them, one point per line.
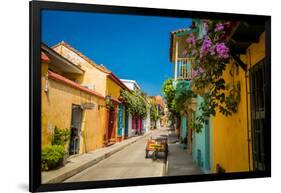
146	154
166	155
155	155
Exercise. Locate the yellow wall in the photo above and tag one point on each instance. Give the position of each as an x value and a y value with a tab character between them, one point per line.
92	75
230	134
56	111
113	89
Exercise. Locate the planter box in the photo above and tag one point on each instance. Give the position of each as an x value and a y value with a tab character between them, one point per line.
64	159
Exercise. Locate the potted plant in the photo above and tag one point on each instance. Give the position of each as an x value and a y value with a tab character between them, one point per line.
61	137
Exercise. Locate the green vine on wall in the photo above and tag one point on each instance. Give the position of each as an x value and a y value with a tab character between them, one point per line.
169	92
136	104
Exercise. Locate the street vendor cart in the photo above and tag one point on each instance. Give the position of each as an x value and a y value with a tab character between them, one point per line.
156	145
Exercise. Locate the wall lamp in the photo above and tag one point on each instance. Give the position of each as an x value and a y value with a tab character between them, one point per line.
108	102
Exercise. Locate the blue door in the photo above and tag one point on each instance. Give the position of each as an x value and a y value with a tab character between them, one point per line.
120	120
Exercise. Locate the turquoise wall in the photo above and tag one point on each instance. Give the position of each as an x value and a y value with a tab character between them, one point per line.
210	144
183	128
120	120
126	122
201	142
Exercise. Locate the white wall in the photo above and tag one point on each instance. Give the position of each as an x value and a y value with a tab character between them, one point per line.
147	123
130	133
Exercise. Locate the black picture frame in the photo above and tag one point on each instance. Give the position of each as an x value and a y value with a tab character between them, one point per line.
36	7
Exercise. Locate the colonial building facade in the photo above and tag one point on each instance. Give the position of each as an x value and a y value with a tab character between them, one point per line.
228	143
82	96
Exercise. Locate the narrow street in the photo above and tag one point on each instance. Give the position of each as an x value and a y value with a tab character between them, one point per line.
128	163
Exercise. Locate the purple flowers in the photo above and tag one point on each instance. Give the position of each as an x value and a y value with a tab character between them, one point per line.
191	39
206	46
219	27
197	72
222	50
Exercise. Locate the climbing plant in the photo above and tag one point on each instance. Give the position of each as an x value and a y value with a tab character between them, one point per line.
211	54
183	96
169	92
136	103
154	116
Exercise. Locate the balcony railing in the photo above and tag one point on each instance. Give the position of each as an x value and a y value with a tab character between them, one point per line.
183	68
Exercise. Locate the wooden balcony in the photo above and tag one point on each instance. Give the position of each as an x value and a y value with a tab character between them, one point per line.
183	69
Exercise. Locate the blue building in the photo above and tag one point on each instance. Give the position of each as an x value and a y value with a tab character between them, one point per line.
198	144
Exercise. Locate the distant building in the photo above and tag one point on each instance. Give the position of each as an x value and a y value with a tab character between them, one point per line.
131	84
136	125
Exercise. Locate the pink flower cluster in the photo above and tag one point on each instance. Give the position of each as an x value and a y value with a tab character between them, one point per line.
219	27
206	46
191	39
222	50
197	72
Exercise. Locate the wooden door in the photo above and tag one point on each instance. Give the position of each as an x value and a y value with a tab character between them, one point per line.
111	124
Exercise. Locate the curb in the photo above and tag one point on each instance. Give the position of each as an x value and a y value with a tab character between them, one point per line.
165	169
74	171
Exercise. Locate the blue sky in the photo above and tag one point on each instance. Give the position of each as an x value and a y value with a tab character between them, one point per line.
132	47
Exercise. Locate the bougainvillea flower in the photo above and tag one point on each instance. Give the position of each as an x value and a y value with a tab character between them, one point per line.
206	46
222	50
191	39
212	50
219	27
194	73
197	72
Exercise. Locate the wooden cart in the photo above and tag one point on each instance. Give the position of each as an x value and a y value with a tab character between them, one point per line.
156	145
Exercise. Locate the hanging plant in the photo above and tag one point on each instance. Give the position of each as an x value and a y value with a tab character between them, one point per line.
211	54
136	104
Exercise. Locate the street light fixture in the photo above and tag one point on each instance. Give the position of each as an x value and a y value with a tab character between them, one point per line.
108	102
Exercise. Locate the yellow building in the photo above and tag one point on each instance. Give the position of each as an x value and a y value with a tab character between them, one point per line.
74	94
234	138
67	104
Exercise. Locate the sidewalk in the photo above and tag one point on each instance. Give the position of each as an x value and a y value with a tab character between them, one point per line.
179	162
78	163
